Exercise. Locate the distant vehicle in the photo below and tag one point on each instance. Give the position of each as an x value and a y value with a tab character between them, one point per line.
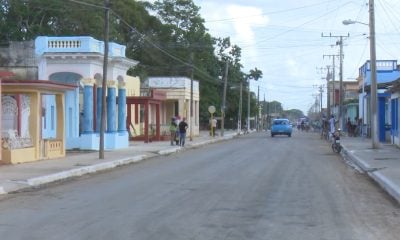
281	126
303	124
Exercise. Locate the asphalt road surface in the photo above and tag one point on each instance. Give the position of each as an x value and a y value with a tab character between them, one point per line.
252	187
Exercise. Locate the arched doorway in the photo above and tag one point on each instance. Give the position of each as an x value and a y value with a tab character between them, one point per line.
73	107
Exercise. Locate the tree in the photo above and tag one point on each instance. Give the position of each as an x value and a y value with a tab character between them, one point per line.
293	114
162	44
254	74
186	37
273	107
25	20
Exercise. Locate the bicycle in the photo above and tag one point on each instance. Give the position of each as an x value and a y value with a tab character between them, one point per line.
336	147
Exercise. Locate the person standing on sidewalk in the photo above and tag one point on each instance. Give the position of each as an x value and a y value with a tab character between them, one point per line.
324	127
213	124
172	130
182	131
332	123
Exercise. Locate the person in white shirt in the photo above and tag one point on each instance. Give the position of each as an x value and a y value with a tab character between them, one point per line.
332	122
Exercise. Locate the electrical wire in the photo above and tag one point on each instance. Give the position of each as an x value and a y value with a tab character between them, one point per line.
360	60
302	24
208	78
268	13
89	4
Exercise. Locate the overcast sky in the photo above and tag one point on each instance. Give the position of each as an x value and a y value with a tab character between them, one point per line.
283	39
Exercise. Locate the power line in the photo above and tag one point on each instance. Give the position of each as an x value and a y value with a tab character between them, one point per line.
307	22
205	74
268	13
89	4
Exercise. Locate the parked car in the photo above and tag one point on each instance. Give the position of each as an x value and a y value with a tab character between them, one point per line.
281	126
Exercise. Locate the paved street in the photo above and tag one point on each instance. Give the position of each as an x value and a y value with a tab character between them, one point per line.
252	187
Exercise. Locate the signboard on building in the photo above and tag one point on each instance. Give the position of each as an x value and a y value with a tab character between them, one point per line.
172	82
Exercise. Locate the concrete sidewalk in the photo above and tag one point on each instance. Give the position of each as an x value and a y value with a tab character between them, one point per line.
382	165
23	176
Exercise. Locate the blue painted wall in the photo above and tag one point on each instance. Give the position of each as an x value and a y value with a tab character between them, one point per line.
49	117
84	44
394	106
72	116
387	72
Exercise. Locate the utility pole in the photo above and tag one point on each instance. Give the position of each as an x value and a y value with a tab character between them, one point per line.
224	98
316	103
340	43
268	116
374	94
320	98
328	97
240	107
263	115
341	95
258	108
321	71
104	84
191	97
248	104
333	56
374	97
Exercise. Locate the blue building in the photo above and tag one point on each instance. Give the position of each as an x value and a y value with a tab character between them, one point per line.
78	60
387	72
394	90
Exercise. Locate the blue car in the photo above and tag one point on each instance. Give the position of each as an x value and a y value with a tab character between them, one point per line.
281	126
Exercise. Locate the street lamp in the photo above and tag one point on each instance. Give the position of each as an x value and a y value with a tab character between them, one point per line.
349	21
372	47
224	98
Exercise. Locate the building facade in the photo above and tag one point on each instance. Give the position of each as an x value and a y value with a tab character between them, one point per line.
387	72
79	61
394	112
54	100
182	100
22	125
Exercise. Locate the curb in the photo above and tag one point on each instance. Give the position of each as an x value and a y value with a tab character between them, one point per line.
385	183
169	151
77	172
37	181
365	167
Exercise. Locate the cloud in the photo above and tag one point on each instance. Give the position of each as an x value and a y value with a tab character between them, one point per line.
293	67
232	20
245	22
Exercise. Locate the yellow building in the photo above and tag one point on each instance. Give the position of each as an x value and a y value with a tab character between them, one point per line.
22	120
133	90
182	100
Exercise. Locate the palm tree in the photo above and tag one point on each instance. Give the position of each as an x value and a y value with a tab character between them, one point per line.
255	75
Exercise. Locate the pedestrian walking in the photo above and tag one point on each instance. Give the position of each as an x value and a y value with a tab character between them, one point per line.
177	121
213	124
332	123
182	131
360	131
172	129
324	127
349	127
